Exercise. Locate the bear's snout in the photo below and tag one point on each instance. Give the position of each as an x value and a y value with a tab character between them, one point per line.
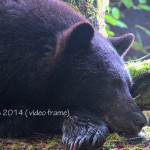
139	120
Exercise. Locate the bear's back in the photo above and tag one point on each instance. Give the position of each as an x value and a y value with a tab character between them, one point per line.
35	18
28	37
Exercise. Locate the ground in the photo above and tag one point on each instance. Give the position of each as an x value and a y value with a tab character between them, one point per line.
53	142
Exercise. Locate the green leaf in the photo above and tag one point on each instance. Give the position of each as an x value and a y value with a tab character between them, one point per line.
143	1
137	46
144	51
143	28
121	24
139	38
128	3
136	7
145	7
107	27
110	20
108	8
116	13
110	33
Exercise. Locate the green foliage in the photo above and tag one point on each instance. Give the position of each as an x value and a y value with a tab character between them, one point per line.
110	19
121	24
143	28
113	17
109	32
128	3
143	1
138	45
145	7
115	12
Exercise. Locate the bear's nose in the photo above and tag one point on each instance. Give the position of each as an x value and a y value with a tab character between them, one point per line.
139	120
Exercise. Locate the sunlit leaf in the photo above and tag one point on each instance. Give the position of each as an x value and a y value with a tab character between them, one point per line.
143	28
128	3
107	27
139	38
143	1
137	46
110	33
144	51
135	7
116	13
145	7
110	20
121	24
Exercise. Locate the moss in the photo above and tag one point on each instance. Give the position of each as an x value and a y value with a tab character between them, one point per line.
42	142
114	141
114	137
102	4
110	141
138	68
145	100
54	142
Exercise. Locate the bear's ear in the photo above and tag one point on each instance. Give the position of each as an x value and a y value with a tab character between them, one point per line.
122	43
79	35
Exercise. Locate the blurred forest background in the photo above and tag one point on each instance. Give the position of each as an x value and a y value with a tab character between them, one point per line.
121	17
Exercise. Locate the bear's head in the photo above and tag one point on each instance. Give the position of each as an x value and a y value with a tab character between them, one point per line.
96	78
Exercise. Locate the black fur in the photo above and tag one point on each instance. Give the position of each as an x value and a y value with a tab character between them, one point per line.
52	57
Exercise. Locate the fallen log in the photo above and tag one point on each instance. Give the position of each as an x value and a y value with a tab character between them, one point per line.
140	73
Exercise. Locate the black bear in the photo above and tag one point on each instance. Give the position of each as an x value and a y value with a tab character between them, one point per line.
51	57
